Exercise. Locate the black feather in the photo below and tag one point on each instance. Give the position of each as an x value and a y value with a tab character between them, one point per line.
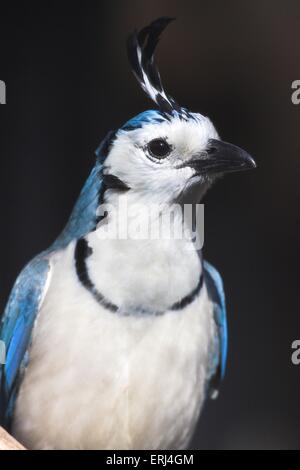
141	47
154	31
132	51
113	182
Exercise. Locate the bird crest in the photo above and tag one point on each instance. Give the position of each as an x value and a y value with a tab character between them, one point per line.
141	46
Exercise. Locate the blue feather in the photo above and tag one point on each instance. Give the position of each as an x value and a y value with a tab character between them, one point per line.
216	293
16	326
151	116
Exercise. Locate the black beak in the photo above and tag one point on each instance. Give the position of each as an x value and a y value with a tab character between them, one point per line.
221	157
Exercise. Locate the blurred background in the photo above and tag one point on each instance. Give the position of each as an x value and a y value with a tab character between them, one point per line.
68	83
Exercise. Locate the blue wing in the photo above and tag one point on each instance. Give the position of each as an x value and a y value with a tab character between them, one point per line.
23	305
215	289
16	327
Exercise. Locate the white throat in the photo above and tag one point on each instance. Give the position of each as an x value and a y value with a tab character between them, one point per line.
154	267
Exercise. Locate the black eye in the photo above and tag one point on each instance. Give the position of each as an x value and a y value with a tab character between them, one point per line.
159	148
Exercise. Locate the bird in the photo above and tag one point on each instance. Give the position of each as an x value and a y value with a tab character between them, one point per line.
116	342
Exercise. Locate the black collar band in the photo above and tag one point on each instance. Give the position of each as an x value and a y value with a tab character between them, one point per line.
83	251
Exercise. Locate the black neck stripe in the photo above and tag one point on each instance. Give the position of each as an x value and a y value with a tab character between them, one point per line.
188	299
83	251
109	181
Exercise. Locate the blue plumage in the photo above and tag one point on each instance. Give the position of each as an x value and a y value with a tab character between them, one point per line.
16	327
151	116
215	288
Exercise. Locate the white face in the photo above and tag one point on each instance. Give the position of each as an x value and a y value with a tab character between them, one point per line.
148	159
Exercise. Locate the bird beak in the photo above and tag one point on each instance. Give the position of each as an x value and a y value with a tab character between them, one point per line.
222	157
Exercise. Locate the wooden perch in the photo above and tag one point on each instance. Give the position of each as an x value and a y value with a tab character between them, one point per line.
7	442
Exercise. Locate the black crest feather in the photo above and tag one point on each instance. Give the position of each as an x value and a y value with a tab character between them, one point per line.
141	47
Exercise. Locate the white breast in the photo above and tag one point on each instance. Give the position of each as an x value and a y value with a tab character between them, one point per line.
101	380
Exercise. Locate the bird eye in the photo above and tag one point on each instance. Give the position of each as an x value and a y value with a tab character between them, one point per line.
159	148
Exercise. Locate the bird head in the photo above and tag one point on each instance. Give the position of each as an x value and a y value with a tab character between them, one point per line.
168	154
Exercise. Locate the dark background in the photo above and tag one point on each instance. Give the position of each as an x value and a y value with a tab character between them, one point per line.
68	83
